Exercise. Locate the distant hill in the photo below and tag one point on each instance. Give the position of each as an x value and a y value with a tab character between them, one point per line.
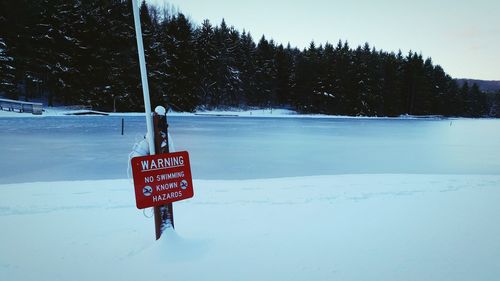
484	85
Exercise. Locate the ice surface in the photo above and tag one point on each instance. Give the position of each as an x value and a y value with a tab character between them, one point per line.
85	148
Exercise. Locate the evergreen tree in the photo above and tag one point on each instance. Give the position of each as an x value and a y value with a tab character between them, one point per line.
63	56
455	102
246	63
178	67
464	100
284	63
495	105
318	94
265	74
412	81
7	72
440	98
341	77
206	55
17	21
228	82
42	65
305	81
152	50
123	90
477	102
424	97
375	99
366	96
392	65
329	98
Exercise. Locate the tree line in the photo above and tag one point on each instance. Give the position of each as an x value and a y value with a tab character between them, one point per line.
84	52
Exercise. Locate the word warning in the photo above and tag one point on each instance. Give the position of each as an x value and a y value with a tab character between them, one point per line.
161	179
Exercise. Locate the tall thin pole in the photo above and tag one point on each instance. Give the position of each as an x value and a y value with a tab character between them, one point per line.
144	77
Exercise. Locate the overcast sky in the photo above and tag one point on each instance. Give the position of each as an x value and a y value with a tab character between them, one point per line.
461	36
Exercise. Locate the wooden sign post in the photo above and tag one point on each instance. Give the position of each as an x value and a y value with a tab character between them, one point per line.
162	178
164	214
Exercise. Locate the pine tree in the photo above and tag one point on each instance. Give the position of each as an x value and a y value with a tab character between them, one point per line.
265	74
425	97
318	83
7	72
53	60
341	77
495	105
455	102
305	80
412	81
391	88
284	63
366	97
328	100
152	50
439	90
375	83
246	63
227	75
206	59
178	67
477	103
122	90
65	71
17	19
464	100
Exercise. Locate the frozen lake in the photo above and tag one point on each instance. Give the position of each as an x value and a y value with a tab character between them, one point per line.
88	148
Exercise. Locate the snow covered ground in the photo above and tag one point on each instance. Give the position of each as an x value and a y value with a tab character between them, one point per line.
251	112
344	227
275	199
229	112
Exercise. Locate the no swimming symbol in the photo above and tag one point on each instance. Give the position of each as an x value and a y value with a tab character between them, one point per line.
184	184
147	190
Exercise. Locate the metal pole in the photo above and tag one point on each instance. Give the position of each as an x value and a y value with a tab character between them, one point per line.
144	78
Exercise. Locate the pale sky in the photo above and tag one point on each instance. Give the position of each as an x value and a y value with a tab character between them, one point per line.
461	36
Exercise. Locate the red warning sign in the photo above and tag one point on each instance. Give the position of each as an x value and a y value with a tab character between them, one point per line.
161	179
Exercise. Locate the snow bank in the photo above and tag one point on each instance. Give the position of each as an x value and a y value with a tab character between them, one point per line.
232	112
344	227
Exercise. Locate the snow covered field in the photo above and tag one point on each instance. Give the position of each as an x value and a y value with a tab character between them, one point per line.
275	199
344	227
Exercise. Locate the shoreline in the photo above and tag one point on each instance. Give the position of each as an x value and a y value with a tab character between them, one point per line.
232	113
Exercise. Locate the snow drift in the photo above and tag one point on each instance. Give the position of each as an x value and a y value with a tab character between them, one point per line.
343	227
